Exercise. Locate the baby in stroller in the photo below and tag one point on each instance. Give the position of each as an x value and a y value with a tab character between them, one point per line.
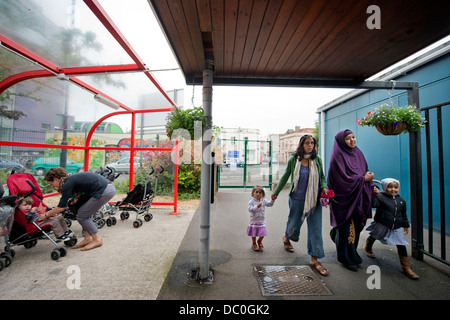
26	230
57	223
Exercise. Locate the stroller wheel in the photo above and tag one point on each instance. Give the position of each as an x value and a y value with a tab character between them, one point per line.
111	221
137	223
29	244
70	243
148	217
62	252
55	254
10	251
100	223
2	263
124	215
8	258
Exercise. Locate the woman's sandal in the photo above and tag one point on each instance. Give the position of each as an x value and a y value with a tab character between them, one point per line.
319	268
287	244
255	246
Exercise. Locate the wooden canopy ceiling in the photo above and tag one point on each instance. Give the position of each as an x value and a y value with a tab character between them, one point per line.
319	43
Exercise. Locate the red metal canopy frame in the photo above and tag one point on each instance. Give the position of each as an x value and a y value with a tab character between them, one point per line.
70	74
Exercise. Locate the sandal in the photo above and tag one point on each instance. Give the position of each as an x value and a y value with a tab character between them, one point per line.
287	244
254	247
260	245
319	268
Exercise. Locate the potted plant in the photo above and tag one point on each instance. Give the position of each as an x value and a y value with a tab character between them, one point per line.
390	120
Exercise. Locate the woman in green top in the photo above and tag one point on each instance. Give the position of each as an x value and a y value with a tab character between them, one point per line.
305	170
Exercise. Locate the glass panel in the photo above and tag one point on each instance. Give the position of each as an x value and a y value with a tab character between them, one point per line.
71	108
11	64
35	101
157	160
64	32
128	88
143	32
37	161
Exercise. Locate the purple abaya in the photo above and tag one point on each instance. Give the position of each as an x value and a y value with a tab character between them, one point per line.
346	178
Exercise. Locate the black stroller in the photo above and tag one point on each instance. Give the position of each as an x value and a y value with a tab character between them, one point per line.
108	173
25	231
139	200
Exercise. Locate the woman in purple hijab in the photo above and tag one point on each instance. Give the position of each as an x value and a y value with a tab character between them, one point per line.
351	181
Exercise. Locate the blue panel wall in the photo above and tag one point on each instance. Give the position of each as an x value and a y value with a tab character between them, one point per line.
388	156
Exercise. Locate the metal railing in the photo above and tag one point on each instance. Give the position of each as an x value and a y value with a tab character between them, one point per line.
430	156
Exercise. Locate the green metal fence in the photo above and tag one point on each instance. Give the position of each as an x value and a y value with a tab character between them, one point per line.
246	163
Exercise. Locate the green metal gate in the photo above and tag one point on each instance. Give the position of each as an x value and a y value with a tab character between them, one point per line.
246	163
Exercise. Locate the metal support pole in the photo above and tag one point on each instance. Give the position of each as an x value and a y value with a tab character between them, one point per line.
415	169
270	164
245	163
205	275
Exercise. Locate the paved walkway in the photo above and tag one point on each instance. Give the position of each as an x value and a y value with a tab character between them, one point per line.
155	262
233	262
131	265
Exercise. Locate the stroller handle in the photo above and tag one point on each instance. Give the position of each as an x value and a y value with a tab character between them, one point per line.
33	188
162	169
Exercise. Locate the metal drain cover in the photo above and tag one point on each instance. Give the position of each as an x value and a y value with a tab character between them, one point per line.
290	280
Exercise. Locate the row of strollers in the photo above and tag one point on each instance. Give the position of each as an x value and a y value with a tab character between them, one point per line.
18	227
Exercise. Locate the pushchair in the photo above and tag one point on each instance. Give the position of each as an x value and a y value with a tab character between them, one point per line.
98	218
108	173
7	205
25	231
106	209
139	200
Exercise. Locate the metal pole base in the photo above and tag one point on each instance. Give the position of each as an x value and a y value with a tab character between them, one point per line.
195	274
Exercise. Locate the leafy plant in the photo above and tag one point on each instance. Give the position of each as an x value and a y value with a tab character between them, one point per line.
389	115
44	186
184	119
189	178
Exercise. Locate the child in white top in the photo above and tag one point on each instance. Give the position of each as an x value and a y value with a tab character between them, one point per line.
390	223
257	224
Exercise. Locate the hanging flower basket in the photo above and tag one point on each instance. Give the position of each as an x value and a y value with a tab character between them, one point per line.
391	130
390	120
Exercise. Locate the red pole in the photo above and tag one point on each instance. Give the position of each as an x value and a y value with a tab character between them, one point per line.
175	192
131	180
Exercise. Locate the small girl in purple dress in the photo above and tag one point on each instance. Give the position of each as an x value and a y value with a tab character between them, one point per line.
257	224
